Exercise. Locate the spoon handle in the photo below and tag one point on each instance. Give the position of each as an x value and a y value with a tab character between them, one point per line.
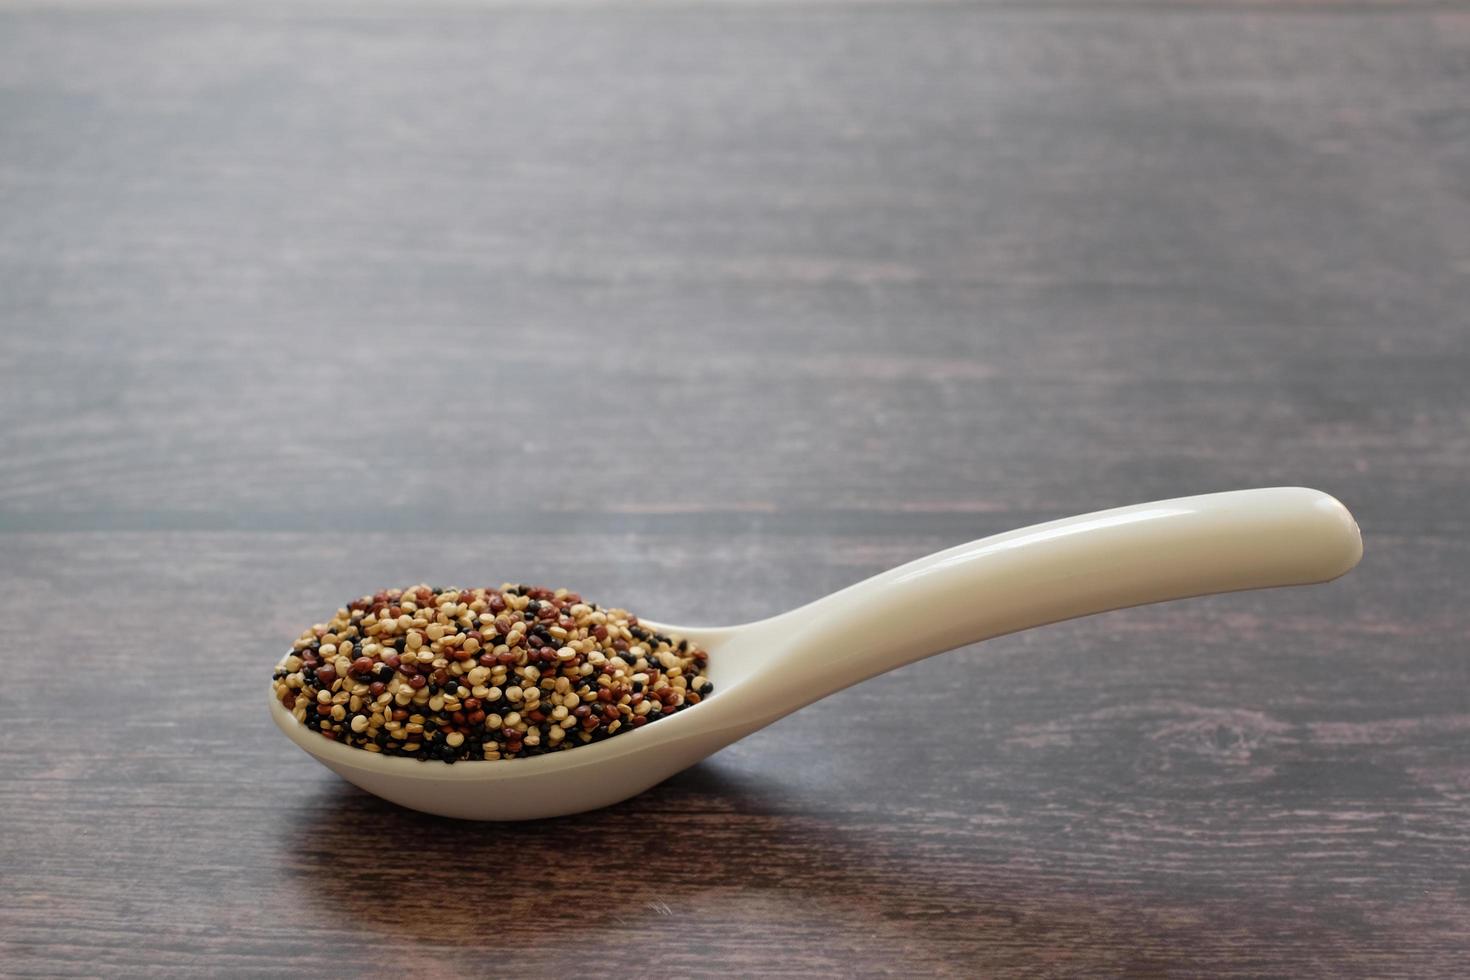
1113	559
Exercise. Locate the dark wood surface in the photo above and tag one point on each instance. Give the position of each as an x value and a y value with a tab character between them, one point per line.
705	310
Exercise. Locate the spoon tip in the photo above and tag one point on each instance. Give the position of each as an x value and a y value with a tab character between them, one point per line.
1341	539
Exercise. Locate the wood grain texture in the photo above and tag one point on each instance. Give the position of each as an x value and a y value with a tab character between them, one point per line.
708	309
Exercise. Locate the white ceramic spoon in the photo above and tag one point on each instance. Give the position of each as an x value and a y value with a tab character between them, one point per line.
1172	549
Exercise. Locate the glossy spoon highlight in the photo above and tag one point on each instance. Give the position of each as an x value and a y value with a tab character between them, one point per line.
762	671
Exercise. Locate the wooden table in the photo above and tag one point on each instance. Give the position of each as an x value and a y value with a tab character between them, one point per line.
706	309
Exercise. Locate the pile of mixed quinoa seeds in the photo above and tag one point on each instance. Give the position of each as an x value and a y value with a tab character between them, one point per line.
453	674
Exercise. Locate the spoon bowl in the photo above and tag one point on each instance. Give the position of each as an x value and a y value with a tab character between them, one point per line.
763	671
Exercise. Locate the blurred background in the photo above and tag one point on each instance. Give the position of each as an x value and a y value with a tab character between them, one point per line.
706	309
272	267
